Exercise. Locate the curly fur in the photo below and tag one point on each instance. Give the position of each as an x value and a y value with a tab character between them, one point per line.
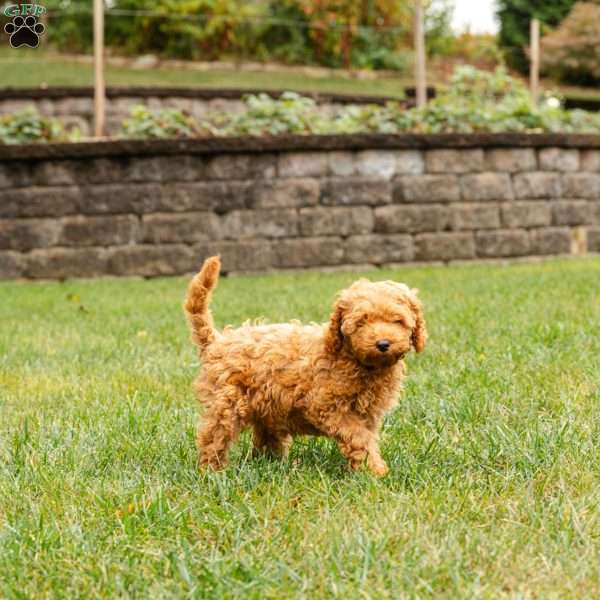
291	379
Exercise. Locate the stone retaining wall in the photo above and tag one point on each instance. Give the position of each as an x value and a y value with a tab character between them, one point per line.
143	208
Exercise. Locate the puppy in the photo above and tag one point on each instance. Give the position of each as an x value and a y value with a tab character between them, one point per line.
336	379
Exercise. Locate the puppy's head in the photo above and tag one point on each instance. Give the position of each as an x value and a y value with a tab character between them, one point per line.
377	322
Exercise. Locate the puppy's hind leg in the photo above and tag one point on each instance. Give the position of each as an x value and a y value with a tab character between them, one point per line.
270	443
221	424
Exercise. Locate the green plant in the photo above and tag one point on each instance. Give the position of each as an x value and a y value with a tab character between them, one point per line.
290	113
167	123
475	101
27	126
336	33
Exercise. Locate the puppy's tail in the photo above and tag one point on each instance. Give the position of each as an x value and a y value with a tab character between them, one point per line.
197	301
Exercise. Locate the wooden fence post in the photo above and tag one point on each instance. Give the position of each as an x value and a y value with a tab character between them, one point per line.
534	64
420	74
99	86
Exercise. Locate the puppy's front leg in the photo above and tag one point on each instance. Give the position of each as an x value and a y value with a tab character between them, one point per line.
357	442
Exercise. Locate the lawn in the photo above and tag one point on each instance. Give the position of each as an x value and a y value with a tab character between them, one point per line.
32	68
494	450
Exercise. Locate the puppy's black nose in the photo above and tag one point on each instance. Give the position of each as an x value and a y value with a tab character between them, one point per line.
383	345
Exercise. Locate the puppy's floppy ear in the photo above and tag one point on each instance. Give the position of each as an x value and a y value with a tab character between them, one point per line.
334	338
419	334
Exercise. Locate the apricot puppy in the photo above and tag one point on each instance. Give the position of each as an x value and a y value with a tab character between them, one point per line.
336	379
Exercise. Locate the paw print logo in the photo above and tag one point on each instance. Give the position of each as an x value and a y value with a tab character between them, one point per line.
24	31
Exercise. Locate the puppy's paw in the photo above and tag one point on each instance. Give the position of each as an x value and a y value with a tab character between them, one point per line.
379	469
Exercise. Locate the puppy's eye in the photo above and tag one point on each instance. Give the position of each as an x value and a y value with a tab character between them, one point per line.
399	322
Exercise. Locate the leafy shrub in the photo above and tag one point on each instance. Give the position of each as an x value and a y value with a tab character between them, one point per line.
572	52
27	127
290	113
366	34
515	17
475	101
167	123
70	25
478	101
476	47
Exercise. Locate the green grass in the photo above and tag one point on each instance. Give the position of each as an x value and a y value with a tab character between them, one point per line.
32	68
494	450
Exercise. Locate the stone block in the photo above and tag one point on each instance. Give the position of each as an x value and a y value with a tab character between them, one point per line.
62	263
56	172
581	185
15	174
526	214
45	107
98	170
474	216
288	193
65	107
151	260
140	169
262	223
411	218
219	196
120	199
307	252
427	188
179	103
246	255
453	161
510	160
99	231
593	239
5	180
39	201
183	168
550	240
486	187
11	265
26	234
503	242
342	163
355	191
559	159
378	249
571	213
380	164
226	105
303	164
190	227
8	106
409	162
444	246
336	220
537	184
590	160
242	166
